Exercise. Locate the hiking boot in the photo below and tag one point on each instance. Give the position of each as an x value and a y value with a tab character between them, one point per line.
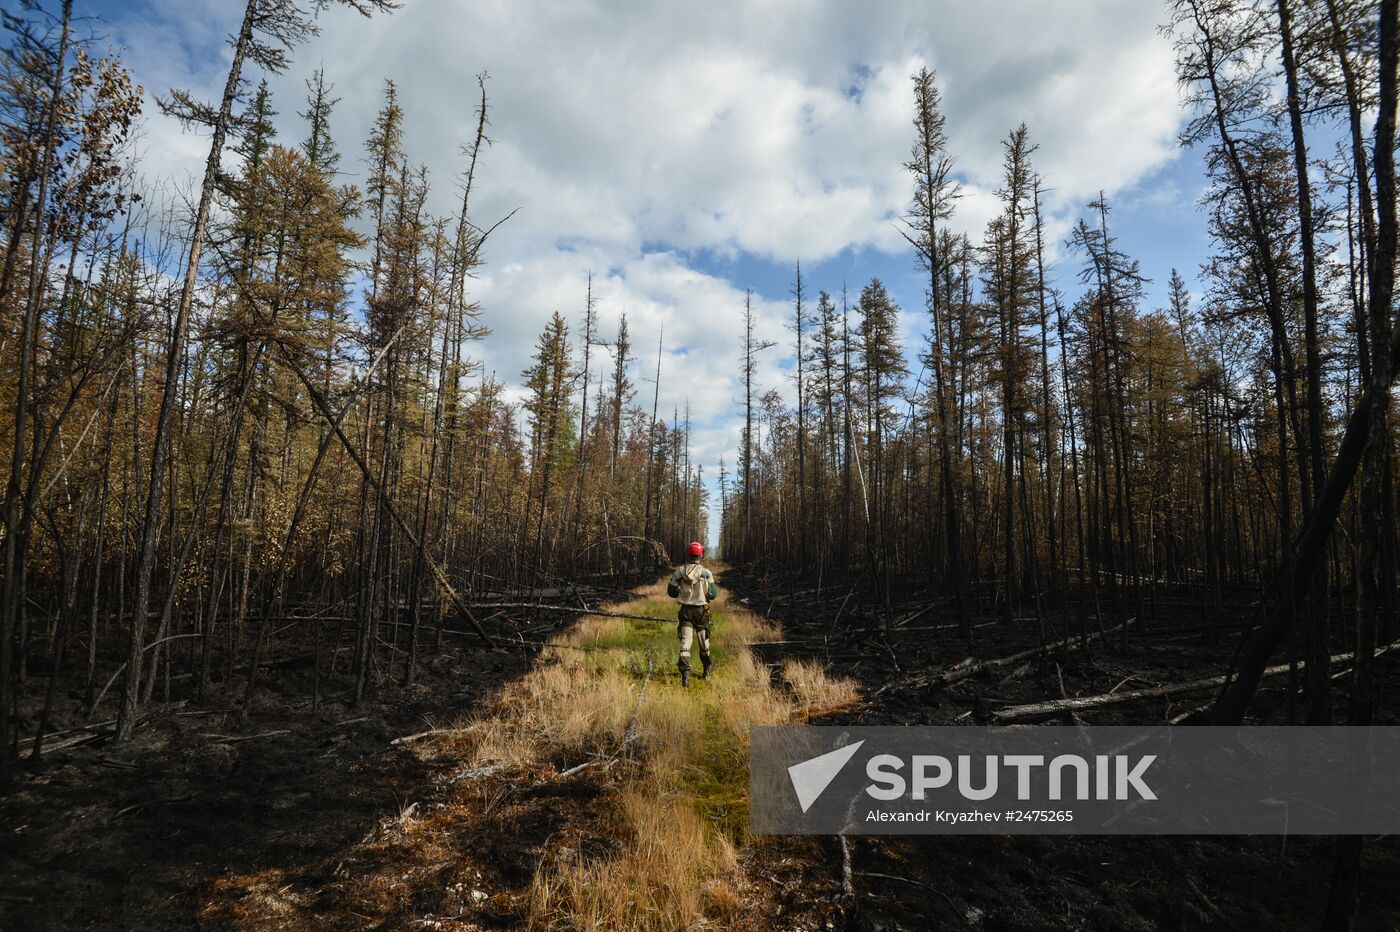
705	664
685	679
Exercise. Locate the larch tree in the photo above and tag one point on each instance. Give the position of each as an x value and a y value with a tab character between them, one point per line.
268	30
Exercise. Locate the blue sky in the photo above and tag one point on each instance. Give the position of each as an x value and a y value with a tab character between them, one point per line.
687	153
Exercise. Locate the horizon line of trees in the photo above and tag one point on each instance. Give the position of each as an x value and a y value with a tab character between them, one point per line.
223	451
1077	458
1047	448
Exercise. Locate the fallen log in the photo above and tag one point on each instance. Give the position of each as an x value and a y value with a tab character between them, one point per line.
1059	706
152	802
917	883
409	739
233	739
922	611
567	610
968	667
958	671
76	740
404	527
900	629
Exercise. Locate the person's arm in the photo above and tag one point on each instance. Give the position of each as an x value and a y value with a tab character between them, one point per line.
673	585
714	589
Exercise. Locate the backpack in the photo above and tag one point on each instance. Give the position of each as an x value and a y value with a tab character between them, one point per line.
673	588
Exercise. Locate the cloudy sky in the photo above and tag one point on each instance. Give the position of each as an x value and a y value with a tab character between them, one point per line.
687	152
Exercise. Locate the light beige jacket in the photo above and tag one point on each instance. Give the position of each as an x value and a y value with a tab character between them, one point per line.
696	584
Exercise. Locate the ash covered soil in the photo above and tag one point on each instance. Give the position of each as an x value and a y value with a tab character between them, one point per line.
1074	882
298	819
142	835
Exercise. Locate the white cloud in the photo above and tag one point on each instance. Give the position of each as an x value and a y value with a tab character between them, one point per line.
635	134
702	317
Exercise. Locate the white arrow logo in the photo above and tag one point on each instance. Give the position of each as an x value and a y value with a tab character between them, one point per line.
811	777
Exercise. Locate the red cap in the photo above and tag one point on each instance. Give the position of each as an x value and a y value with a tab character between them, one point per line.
695	549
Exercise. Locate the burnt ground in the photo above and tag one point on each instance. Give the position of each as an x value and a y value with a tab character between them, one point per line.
1076	882
136	836
297	819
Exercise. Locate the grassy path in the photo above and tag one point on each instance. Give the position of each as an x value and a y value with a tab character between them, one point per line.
607	694
593	793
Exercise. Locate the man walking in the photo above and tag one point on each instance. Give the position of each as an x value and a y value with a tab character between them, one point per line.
694	587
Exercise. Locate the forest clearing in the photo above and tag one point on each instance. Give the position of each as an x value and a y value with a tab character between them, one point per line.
586	789
361	388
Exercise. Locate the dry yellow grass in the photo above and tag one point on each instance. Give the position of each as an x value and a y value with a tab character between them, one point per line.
658	881
682	797
817	693
658	848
